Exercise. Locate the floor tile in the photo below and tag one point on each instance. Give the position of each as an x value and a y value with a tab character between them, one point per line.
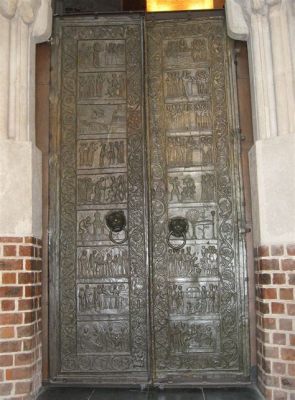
66	394
232	394
114	394
177	394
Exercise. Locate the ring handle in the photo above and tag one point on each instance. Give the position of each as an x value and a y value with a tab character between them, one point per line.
181	246
112	239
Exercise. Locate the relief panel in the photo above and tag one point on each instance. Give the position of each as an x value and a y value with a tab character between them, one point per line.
102	189
91	226
193	187
201	221
193	262
103	337
188	336
186	116
94	54
94	154
185	51
188	298
103	298
186	84
101	119
189	151
102	85
102	262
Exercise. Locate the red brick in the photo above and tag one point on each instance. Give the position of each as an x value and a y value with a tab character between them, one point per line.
25	331
10	346
292	340
270	352
33	265
30	239
263	308
288	383
269	323
10	239
288	354
277	250
11	319
263	251
8	305
279	368
291	309
14	374
285	324
6	360
279	395
279	338
27	304
286	294
279	279
9	251
26	277
24	359
6	332
29	344
11	291
288	264
277	308
269	264
291	369
266	366
10	264
270	293
8	278
291	249
30	317
264	279
291	279
26	251
23	387
5	389
32	291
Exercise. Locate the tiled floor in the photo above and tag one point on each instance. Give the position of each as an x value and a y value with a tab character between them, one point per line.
249	393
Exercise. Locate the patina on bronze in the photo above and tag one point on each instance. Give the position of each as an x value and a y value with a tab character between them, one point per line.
144	117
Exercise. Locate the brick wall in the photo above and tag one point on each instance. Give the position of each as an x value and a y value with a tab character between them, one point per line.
20	317
275	305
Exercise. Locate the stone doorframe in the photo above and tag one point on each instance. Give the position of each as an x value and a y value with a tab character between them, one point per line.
268	26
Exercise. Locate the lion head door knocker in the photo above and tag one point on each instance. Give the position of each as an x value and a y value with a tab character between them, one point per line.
116	222
178	227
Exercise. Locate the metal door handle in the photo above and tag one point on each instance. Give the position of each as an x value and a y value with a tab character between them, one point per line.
116	222
178	227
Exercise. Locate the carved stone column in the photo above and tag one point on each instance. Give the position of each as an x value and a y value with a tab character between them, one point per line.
23	23
268	26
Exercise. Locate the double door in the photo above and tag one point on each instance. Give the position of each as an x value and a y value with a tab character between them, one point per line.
147	262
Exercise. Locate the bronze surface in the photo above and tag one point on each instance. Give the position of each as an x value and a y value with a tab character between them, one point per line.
138	312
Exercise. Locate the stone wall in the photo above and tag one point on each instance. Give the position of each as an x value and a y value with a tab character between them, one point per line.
20	317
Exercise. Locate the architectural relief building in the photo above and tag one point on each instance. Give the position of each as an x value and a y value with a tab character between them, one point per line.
136	226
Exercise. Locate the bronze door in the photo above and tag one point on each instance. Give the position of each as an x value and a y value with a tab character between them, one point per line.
200	321
126	308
